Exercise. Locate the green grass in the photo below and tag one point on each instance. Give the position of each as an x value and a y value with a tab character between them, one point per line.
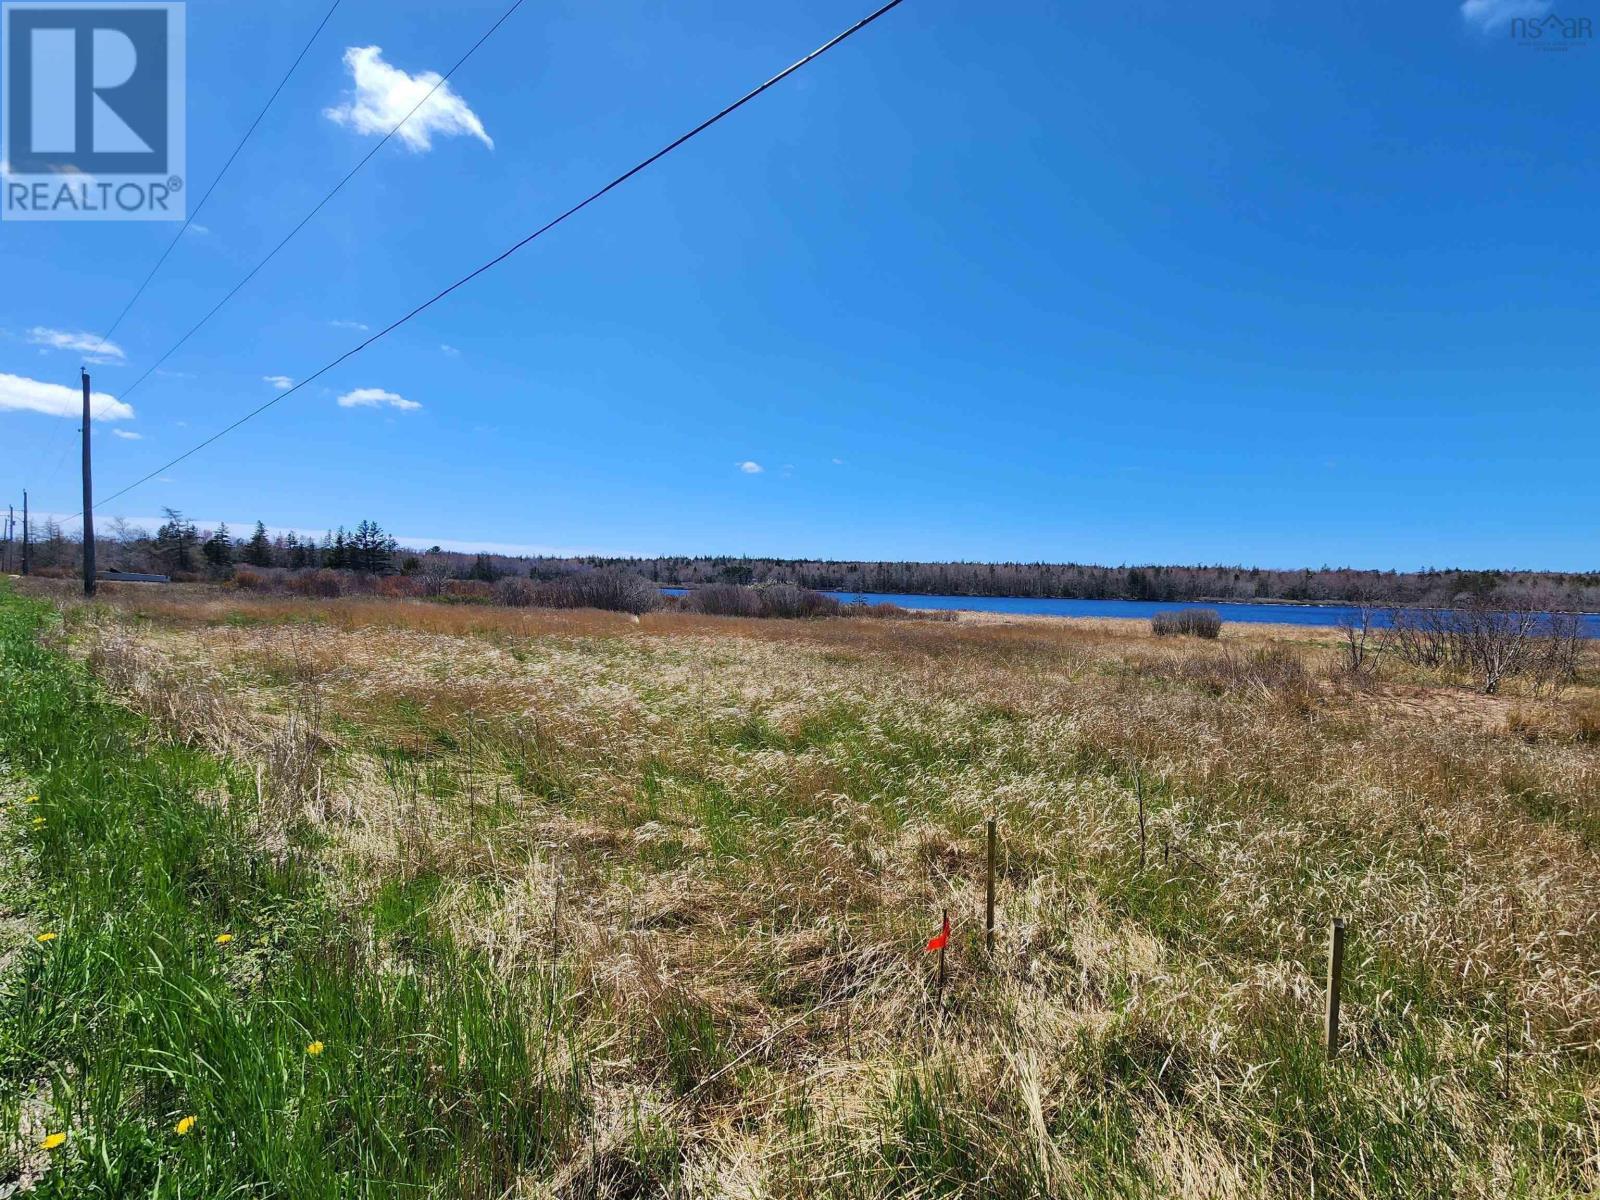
137	855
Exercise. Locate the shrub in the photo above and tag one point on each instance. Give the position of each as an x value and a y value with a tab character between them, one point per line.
467	589
321	582
787	600
723	600
615	591
516	592
774	600
1187	622
399	587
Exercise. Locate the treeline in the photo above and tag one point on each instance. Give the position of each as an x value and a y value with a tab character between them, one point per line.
1077	581
184	550
180	548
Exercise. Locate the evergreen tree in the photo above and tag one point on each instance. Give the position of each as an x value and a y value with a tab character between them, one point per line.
370	549
176	541
258	550
218	551
338	556
483	569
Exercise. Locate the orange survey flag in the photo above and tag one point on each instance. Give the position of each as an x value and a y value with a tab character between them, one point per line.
938	943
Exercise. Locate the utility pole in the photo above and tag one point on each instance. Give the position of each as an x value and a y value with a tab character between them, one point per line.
11	533
24	531
88	497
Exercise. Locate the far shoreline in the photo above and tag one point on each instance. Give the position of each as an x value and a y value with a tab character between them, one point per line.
1279	602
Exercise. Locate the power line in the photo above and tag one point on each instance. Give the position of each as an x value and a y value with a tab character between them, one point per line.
195	211
507	253
288	237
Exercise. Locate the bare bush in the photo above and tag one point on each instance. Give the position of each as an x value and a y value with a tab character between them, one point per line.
514	591
1491	642
1187	622
777	600
1366	638
614	591
321	582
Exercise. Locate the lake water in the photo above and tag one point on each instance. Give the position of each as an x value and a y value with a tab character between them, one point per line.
1326	615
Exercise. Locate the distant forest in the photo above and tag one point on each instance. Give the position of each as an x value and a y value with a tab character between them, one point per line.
181	549
1081	581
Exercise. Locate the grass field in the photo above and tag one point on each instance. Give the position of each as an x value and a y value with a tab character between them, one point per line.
579	904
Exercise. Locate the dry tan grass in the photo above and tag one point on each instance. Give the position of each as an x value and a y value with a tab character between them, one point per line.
752	824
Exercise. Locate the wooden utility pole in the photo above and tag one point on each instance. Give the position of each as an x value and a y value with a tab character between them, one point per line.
24	532
88	498
11	532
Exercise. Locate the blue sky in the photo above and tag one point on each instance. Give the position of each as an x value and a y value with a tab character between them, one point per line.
1275	284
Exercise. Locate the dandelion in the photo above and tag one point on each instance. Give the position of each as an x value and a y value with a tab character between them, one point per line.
314	1049
45	937
31	800
184	1125
224	938
53	1140
38	821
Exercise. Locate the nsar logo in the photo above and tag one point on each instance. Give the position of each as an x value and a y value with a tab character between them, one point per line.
1552	32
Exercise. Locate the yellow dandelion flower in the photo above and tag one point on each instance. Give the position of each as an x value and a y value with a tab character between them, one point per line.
53	1140
38	821
183	1126
45	937
314	1049
224	938
31	800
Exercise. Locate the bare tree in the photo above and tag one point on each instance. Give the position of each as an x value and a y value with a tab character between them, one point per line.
1495	642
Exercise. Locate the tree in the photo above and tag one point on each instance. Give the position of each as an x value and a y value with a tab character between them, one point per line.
176	541
218	551
258	550
370	550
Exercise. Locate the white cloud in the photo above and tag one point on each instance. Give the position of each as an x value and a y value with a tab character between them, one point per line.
282	382
358	326
1492	14
86	344
128	435
21	394
750	468
376	398
450	350
384	94
202	230
838	462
